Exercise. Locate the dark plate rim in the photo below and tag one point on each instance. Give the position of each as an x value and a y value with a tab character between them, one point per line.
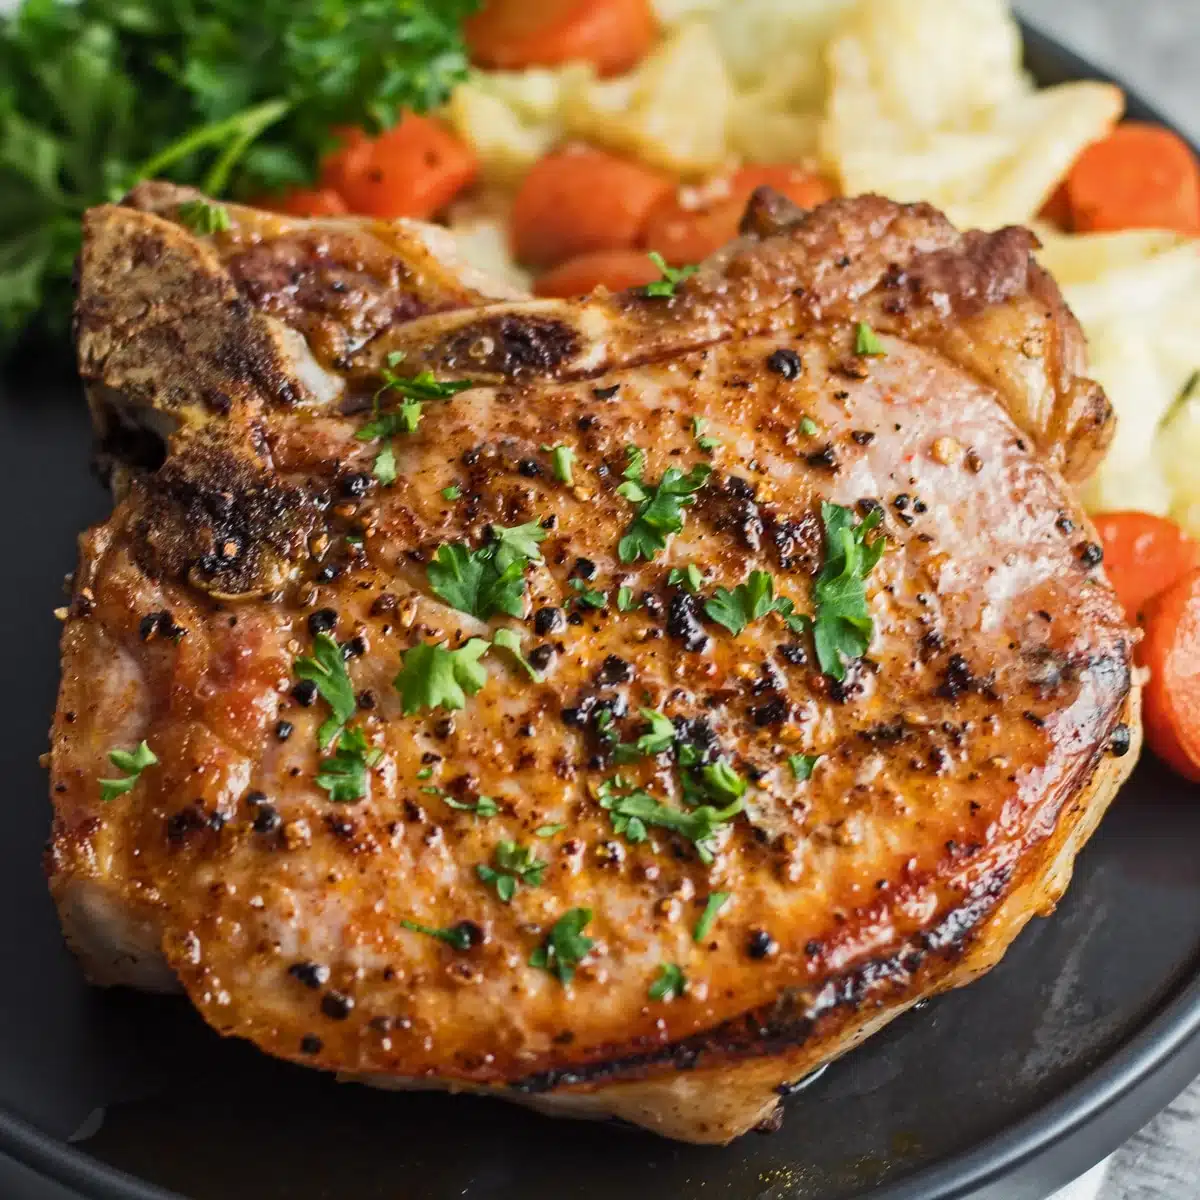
1174	1029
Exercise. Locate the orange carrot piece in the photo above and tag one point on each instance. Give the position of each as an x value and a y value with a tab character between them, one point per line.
686	233
1138	177
613	35
306	202
616	270
1171	700
1144	555
1057	209
575	201
413	169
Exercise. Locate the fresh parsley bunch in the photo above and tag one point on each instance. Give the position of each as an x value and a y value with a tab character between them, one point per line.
233	98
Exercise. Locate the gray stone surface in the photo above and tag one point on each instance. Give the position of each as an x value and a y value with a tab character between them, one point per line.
1154	46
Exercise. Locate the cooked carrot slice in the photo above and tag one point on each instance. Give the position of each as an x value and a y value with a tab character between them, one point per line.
1138	177
685	232
613	269
413	169
1057	210
306	202
1171	700
612	35
1144	555
575	201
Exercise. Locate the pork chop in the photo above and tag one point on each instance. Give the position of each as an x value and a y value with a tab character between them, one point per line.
623	705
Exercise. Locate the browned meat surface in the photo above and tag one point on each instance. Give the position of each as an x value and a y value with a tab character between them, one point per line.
647	761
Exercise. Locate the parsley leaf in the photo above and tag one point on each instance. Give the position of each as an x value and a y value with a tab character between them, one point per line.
548	831
631	812
721	781
660	510
484	807
689	578
866	341
626	601
842	627
659	738
514	864
344	774
133	763
808	426
705	444
327	669
491	579
749	601
453	492
562	458
565	946
433	677
671	982
802	765
458	936
671	276
202	217
510	640
712	909
587	597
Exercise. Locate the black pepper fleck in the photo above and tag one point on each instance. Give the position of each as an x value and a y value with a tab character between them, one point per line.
337	1006
312	975
305	693
761	944
1118	744
322	621
785	362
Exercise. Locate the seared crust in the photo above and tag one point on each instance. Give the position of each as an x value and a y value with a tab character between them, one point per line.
962	763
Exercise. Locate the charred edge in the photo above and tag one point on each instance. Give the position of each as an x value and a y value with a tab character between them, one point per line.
215	519
794	1016
512	344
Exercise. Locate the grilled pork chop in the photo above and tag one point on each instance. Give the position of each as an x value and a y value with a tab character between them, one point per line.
482	758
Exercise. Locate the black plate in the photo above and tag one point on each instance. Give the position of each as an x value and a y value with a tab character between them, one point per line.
1011	1087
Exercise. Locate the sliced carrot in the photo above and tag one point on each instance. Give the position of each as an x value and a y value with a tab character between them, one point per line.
1143	555
1171	700
686	232
413	169
306	202
612	35
1138	177
1057	209
613	269
578	200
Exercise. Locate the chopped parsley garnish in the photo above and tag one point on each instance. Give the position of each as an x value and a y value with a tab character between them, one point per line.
671	982
712	908
721	781
632	811
514	864
510	640
842	626
344	773
808	426
562	458
548	831
587	597
433	677
458	936
866	341
202	217
327	669
565	946
414	391
133	763
626	602
491	579
453	492
425	773
748	602
660	510
705	444
802	765
689	578
656	740
484	807
671	276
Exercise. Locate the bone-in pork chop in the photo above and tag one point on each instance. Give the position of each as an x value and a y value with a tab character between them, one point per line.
624	705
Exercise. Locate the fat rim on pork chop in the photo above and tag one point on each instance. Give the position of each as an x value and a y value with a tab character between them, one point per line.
624	705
